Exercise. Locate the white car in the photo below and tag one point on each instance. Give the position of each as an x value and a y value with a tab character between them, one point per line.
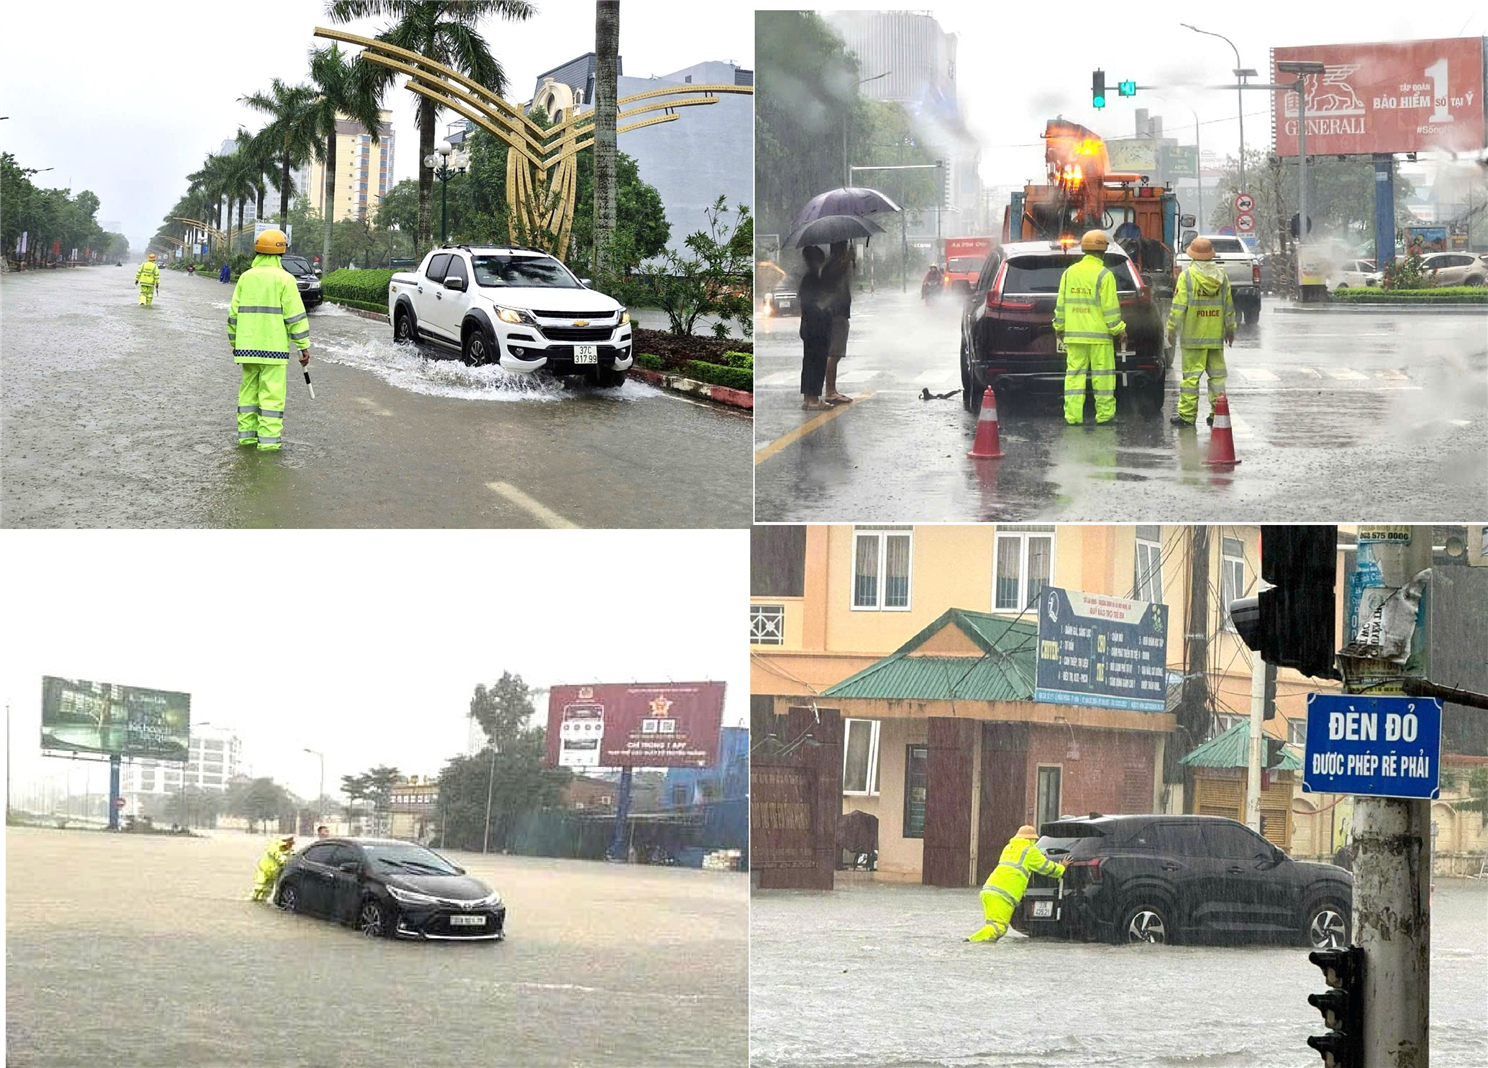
1354	273
1455	269
515	306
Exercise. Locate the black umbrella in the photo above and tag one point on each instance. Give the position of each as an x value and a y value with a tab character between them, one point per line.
831	228
854	200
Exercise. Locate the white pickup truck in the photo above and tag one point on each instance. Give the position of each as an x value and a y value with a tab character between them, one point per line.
1241	268
515	306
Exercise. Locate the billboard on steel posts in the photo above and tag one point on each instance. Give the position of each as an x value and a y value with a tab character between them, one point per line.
1391	96
1102	651
635	725
78	716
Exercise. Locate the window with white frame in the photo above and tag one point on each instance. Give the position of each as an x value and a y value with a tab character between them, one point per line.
766	624
860	757
1147	566
882	558
1231	577
1023	565
1297	732
1224	723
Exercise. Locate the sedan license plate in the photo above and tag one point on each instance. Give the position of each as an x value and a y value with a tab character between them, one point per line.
586	354
467	921
1043	909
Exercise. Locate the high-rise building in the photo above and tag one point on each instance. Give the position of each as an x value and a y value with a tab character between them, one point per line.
364	170
215	757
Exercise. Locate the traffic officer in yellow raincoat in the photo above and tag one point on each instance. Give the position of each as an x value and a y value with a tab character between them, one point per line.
1008	881
269	865
1087	317
265	320
148	280
1204	309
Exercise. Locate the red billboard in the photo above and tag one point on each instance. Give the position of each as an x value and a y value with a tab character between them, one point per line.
1393	96
635	725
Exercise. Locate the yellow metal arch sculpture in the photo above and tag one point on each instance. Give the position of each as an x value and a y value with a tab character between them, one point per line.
541	165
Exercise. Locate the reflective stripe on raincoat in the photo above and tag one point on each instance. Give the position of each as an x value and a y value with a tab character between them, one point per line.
267	317
1202	306
1088	310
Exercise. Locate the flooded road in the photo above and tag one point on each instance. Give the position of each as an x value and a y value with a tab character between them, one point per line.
871	975
1328	408
117	415
131	950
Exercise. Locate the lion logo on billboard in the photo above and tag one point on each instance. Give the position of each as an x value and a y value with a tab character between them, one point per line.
1330	93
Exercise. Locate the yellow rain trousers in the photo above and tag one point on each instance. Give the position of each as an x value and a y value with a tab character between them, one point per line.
1205	311
265	323
1088	316
148	280
268	870
1007	883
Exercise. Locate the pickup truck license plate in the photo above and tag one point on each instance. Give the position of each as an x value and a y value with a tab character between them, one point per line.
467	921
586	354
1041	908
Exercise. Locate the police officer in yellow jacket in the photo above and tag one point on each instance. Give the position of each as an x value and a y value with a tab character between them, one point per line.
1087	317
148	280
265	320
1008	881
269	865
1205	310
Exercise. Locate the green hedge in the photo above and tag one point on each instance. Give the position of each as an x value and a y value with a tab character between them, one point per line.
649	362
742	360
1444	295
365	305
370	287
732	377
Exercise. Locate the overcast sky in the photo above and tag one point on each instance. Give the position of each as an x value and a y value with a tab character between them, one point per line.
365	645
1020	64
133	96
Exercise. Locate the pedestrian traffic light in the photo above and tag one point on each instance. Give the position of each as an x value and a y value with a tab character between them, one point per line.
1291	623
1342	1006
1127	88
1098	88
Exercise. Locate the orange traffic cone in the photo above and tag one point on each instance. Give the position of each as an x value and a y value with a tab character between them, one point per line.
987	445
1221	438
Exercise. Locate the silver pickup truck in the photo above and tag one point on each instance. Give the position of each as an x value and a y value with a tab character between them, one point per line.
1241	268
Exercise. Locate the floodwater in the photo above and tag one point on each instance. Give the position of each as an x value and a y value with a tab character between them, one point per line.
1327	407
126	950
877	975
118	415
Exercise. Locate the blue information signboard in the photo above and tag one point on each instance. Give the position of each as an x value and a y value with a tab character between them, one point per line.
1373	746
1103	651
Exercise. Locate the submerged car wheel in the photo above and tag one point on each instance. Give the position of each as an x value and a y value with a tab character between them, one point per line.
372	919
606	377
404	332
1328	926
1145	922
289	897
477	350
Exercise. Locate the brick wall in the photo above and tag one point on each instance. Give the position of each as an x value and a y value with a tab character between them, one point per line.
1113	773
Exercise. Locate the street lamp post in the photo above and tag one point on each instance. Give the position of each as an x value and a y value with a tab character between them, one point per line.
438	162
1241	73
847	173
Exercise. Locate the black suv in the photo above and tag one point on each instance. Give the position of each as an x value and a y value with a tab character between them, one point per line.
307	279
1179	878
1007	327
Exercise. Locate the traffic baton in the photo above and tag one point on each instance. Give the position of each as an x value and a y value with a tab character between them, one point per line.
307	383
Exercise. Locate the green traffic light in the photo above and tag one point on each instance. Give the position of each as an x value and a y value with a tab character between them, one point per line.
1100	101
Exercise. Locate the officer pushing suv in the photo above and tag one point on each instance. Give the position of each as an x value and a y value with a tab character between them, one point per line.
1008	881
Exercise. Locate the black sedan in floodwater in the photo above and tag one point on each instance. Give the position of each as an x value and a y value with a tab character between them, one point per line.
388	887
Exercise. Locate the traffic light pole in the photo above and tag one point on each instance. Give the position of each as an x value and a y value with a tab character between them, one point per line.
1392	886
1257	742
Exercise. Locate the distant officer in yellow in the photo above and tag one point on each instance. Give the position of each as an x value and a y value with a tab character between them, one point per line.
1087	316
265	320
1205	311
148	280
269	865
1008	881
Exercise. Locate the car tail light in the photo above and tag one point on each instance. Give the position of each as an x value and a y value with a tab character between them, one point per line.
1255	273
994	295
1094	866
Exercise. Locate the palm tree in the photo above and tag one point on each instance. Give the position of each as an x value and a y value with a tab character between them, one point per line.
444	31
291	130
208	182
346	87
606	62
240	180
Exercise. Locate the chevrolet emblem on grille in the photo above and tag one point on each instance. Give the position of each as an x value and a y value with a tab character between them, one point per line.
581	322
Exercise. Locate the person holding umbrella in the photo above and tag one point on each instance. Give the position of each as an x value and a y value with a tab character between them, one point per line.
837	276
816	328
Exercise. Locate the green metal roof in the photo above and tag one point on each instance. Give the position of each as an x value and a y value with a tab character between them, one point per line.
1004	673
1231	749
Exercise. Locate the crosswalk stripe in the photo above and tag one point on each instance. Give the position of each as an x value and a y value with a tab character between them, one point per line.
1346	374
935	378
1258	374
780	378
856	376
1392	375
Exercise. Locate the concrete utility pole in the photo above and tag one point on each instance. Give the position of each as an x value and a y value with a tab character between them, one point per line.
1193	707
1257	742
1392	884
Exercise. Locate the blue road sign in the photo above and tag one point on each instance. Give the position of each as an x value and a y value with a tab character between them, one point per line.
1102	651
1373	746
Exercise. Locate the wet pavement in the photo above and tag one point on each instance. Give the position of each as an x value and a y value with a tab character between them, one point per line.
873	975
131	950
1330	412
116	415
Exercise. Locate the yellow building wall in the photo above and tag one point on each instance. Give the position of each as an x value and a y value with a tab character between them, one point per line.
898	857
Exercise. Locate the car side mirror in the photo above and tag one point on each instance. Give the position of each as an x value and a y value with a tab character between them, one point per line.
454	283
350	867
459	870
317	272
586	282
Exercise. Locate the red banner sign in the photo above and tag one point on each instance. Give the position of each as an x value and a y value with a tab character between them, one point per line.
636	725
1403	96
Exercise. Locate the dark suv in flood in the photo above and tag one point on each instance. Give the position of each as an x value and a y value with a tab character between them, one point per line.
1181	878
1007	327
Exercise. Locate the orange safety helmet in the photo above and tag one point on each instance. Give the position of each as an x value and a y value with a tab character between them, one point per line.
152	255
1094	241
272	242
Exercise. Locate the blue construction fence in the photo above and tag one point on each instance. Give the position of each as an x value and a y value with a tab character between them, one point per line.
682	838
